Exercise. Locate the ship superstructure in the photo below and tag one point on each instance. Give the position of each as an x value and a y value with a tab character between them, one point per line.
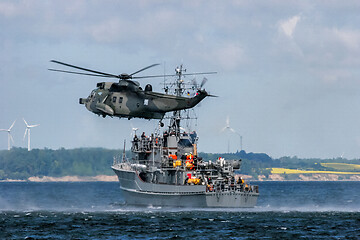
165	170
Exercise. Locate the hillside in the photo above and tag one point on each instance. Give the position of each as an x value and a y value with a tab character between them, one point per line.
20	164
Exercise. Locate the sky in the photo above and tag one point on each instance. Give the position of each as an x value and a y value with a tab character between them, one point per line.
288	71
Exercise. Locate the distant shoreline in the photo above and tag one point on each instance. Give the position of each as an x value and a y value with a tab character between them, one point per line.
99	178
113	178
327	177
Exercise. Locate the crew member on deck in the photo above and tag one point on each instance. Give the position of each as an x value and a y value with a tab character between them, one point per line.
136	142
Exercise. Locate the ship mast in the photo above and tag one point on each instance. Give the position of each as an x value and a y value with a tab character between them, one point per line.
179	90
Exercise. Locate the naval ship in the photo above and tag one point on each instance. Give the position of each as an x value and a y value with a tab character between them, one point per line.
165	170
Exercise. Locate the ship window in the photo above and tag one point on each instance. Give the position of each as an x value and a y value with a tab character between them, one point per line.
185	143
120	99
114	99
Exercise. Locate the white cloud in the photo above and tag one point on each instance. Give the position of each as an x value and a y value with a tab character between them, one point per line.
108	31
349	38
7	9
13	9
334	75
229	55
149	28
288	26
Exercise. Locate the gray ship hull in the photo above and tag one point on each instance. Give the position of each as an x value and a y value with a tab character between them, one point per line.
138	192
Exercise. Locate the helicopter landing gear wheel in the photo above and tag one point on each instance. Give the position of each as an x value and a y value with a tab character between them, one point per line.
161	124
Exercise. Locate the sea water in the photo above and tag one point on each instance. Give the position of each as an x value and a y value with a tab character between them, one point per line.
96	210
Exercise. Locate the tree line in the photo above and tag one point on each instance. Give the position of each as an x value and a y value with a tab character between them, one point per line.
18	163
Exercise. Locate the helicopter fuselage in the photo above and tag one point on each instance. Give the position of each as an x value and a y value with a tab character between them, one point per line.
127	99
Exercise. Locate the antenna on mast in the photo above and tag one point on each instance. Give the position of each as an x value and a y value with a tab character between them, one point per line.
166	88
124	153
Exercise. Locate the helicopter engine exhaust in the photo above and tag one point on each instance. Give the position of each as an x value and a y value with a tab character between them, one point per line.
82	100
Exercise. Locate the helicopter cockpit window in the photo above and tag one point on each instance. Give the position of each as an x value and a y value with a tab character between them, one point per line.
114	99
120	99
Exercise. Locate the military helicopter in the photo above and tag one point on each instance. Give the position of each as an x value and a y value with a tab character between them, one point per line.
126	99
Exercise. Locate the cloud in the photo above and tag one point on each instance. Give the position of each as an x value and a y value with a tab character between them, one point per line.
349	38
7	9
288	26
288	55
334	75
230	55
151	28
111	30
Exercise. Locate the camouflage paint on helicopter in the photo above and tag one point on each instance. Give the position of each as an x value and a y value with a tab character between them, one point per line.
128	100
113	99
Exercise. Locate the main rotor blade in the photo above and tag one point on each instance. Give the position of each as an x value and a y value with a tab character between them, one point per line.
87	74
11	138
34	125
153	65
84	69
155	76
173	75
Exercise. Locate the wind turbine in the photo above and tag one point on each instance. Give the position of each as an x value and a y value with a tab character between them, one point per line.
228	128
27	131
9	134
